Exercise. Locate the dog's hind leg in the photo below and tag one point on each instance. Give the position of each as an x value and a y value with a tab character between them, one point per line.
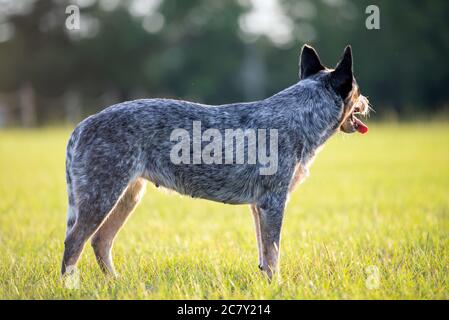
94	202
256	216
103	239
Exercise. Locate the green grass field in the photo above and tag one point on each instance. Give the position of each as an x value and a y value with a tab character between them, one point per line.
372	221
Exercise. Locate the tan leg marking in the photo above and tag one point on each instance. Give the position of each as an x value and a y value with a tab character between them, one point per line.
299	175
103	239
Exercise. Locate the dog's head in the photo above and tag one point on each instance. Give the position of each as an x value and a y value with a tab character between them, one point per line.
342	82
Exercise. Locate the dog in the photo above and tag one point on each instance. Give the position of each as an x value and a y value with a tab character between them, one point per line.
111	156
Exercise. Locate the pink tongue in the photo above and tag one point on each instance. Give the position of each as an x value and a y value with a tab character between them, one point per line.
361	127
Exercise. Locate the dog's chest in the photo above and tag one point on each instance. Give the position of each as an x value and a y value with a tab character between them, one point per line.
302	170
300	174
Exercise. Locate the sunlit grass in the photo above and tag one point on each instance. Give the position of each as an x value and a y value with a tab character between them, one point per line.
377	200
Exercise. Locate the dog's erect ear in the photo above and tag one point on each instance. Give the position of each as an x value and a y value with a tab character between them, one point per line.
310	63
342	76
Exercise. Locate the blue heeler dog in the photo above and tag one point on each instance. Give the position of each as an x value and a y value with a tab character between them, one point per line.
112	154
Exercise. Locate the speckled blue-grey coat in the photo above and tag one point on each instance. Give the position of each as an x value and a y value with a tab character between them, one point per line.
112	154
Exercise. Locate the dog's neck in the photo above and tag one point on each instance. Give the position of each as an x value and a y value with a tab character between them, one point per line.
316	113
322	124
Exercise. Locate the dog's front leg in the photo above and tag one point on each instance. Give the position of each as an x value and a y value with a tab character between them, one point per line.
271	213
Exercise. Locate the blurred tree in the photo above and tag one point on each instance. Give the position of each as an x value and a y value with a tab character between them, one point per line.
216	51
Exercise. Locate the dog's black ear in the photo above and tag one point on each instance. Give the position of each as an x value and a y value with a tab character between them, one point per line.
310	63
342	76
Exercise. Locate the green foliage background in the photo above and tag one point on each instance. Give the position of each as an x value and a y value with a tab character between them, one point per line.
201	53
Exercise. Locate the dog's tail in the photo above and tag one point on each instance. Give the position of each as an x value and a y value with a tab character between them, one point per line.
72	208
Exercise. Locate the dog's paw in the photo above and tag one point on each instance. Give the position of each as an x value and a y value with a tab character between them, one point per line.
267	272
